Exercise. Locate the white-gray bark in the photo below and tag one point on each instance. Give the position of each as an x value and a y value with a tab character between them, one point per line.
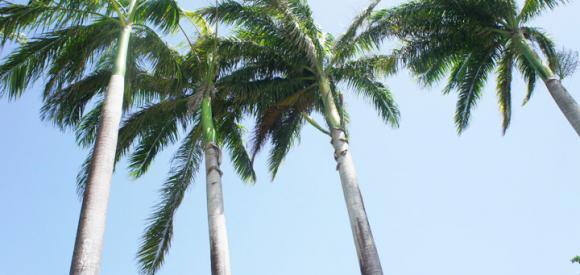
218	236
565	102
368	255
91	228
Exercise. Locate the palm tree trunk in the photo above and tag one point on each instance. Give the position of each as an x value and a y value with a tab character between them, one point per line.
563	98
368	256
91	228
565	102
218	236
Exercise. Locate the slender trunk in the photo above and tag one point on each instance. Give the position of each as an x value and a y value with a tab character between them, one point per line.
565	102
368	256
91	228
218	236
563	98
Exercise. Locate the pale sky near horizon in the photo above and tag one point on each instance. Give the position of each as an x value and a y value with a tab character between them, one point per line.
438	203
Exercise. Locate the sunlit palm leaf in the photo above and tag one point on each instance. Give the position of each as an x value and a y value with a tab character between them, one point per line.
159	232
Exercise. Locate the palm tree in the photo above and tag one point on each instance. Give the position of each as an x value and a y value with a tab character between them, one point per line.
470	39
72	35
300	73
215	123
184	94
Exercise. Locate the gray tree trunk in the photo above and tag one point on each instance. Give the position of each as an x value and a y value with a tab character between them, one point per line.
565	102
93	218
368	255
91	229
218	236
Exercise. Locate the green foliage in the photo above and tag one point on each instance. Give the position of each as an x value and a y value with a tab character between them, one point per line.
348	44
59	50
504	82
162	104
576	259
530	75
284	84
284	136
158	126
163	14
532	8
469	86
159	232
233	141
544	43
467	40
68	37
44	15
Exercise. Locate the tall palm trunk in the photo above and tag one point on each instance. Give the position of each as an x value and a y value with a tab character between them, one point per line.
563	98
368	256
218	236
91	228
565	102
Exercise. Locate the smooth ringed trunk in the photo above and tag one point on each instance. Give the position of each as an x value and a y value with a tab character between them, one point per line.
91	228
565	102
368	256
218	236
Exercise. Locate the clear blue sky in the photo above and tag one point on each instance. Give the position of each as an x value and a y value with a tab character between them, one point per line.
439	204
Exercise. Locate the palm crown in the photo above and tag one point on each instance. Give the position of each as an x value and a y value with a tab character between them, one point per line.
469	39
79	61
303	69
70	39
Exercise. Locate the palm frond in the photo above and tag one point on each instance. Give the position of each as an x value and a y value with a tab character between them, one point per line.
83	175
344	46
247	16
157	126
270	115
470	86
65	107
530	74
545	44
283	138
86	131
157	237
532	8
149	47
374	66
163	14
458	70
504	79
232	132
20	38
377	93
299	32
43	15
57	49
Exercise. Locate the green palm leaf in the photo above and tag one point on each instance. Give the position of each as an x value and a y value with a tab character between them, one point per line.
470	87
346	45
29	61
164	14
532	8
504	80
158	126
159	232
